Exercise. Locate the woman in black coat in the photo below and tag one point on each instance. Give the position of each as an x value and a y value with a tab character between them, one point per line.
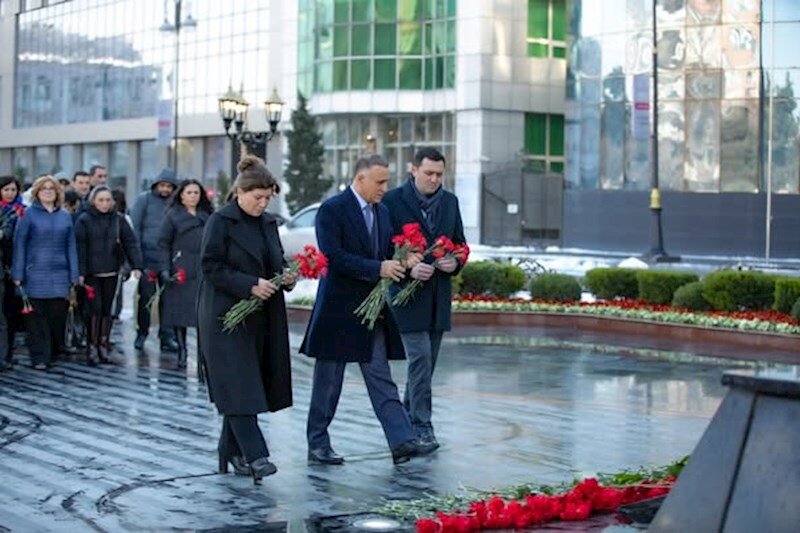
248	370
180	237
105	240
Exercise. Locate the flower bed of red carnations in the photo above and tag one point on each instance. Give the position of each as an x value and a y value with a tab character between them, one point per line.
528	506
760	321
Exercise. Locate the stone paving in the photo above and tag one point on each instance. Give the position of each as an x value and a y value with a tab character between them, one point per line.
132	446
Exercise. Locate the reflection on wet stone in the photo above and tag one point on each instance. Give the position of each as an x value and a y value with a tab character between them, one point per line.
133	447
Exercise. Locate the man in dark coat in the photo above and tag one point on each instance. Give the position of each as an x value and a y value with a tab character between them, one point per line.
147	215
424	319
354	232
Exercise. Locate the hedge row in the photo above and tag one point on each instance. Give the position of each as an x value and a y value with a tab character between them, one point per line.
724	290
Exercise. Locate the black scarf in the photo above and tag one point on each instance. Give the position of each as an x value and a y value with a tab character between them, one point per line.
429	204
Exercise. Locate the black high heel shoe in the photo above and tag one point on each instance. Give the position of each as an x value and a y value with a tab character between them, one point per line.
261	468
240	466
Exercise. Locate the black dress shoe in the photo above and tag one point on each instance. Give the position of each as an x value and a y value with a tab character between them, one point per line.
324	457
412	448
138	344
169	345
262	467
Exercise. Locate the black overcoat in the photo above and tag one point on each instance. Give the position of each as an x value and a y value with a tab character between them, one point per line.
334	333
429	308
238	381
180	237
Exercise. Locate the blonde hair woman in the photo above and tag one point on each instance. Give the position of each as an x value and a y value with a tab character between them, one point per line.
45	266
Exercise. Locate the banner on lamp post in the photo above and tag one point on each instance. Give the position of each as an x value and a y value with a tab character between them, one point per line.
164	133
640	114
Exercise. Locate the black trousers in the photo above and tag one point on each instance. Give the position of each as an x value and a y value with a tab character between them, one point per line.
12	311
5	346
105	288
46	328
240	435
146	291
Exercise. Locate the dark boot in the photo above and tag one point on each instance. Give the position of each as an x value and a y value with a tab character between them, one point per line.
93	333
180	338
102	345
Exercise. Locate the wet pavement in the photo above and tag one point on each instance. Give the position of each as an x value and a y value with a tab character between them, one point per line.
132	446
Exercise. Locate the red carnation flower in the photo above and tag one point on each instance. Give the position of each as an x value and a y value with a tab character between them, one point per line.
90	292
152	276
180	276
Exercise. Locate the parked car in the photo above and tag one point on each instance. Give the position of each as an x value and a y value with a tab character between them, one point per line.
298	231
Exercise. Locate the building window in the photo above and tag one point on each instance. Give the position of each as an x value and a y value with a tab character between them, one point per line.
544	142
547	28
376	45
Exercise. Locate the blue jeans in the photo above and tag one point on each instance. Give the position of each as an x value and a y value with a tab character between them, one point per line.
422	350
327	387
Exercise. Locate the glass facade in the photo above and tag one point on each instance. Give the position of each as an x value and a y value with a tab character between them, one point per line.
544	142
547	28
376	45
396	137
94	60
716	72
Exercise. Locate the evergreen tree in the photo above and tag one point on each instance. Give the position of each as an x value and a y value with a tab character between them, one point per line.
304	171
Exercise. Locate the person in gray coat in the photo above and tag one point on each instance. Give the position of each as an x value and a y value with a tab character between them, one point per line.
147	215
180	239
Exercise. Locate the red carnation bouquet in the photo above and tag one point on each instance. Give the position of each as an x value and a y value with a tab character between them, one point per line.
409	242
178	277
27	306
309	264
443	248
9	211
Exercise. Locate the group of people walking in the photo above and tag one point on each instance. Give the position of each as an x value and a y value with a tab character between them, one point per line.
203	262
249	369
68	261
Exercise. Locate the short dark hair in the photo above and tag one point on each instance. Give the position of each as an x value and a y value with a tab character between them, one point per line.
94	168
71	197
119	200
369	160
79	173
430	153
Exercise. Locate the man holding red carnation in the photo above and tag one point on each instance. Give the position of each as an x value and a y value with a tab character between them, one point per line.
426	316
354	232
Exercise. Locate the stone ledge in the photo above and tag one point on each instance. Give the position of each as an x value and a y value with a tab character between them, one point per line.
714	340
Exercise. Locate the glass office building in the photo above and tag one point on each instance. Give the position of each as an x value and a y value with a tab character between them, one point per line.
726	72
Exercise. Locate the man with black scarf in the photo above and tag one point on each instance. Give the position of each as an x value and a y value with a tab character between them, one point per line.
424	319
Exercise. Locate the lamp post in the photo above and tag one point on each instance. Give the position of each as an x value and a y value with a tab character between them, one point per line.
233	110
656	253
175	27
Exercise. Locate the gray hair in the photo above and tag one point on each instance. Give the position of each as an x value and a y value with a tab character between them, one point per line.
370	160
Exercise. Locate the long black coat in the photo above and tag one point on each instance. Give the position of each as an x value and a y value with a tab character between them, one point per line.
96	235
334	332
429	308
180	237
238	384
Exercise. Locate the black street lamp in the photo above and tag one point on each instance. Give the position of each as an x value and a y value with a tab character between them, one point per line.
656	253
233	110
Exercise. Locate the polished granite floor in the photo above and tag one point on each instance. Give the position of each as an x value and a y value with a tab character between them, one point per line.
131	447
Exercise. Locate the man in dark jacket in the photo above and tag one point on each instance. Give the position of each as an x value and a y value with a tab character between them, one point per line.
354	233
147	215
425	318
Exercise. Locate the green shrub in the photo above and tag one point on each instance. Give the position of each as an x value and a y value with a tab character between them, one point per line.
733	290
690	296
610	283
659	286
508	280
796	310
787	291
457	284
554	287
478	277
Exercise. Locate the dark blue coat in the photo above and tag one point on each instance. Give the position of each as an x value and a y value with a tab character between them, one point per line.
45	253
334	332
429	308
